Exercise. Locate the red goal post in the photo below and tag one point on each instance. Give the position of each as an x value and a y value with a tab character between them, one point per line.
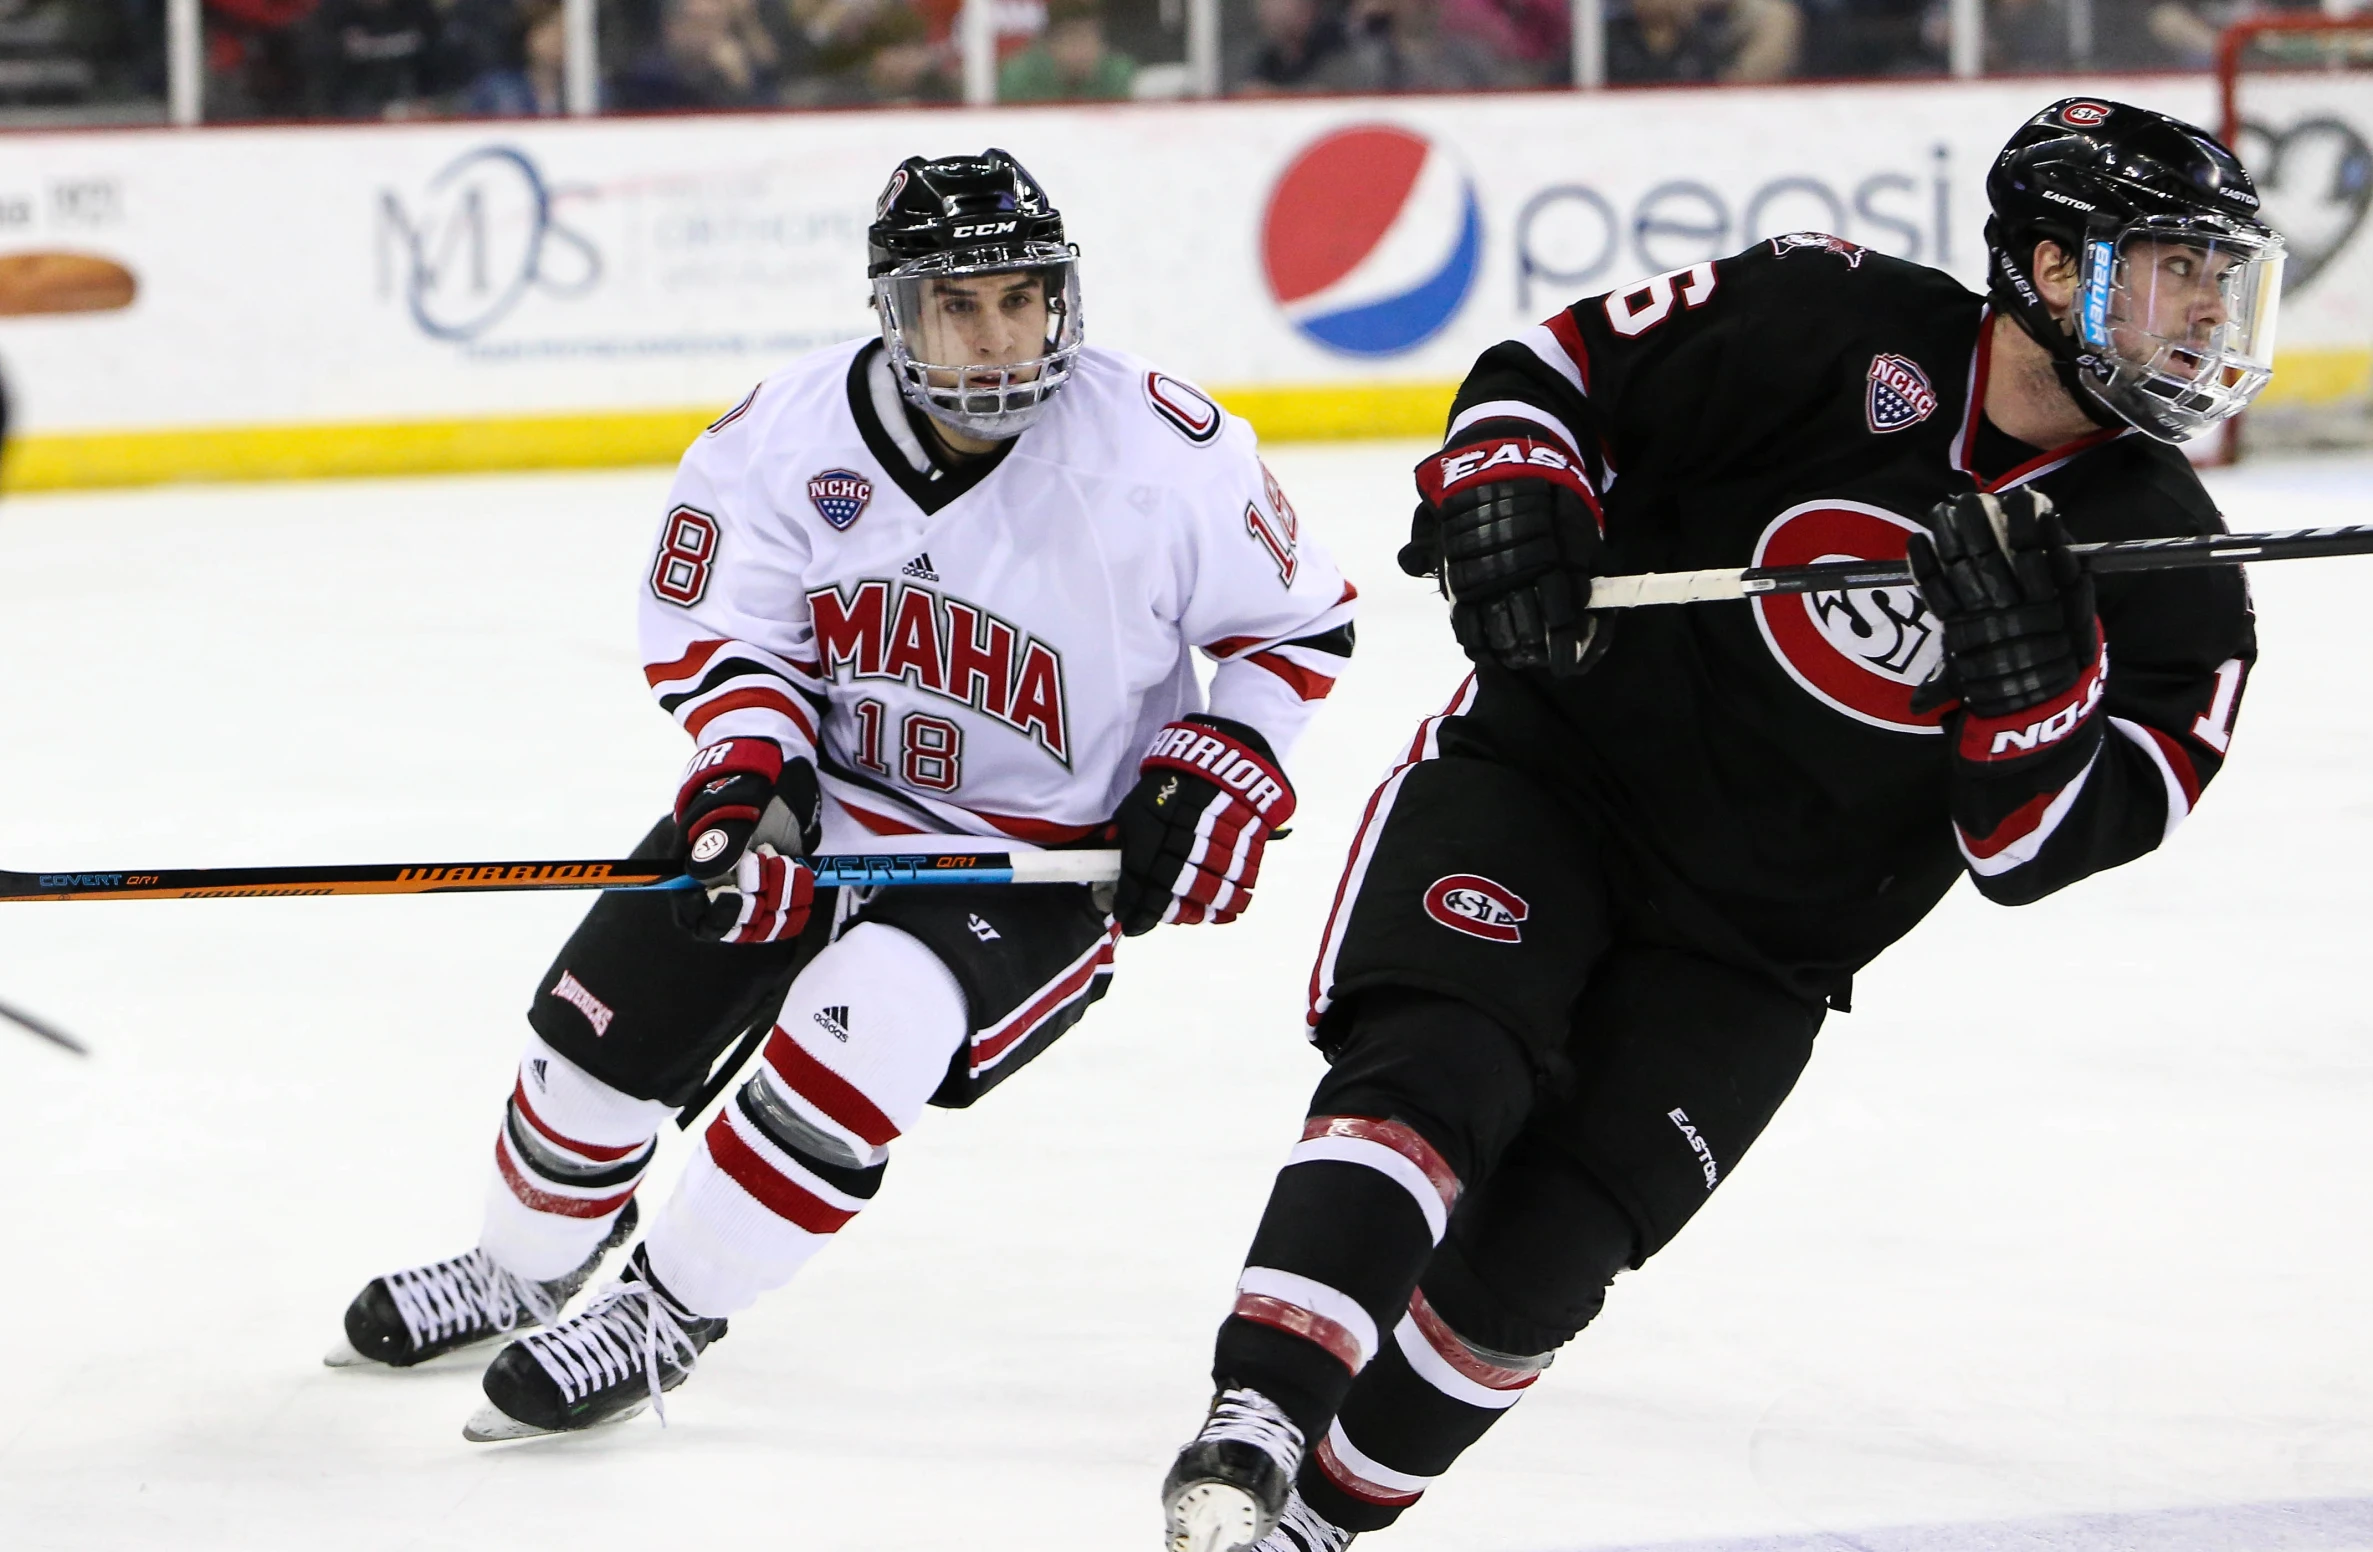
2295	94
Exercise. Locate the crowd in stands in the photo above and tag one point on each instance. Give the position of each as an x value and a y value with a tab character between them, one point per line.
422	58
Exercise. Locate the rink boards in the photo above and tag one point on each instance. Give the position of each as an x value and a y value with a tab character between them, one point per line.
390	298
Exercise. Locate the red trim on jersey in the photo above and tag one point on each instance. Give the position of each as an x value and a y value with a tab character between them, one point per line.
1264	1310
699	717
2020	823
2179	760
993	1043
1307	684
1453	1350
827	1090
1229	646
695	658
1358	1486
2038	728
1569	334
1981	367
1400	1139
589	1150
776	1192
1043	832
536	1199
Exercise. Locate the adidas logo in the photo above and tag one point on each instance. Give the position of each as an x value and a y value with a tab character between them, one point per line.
835	1020
919	568
537	1067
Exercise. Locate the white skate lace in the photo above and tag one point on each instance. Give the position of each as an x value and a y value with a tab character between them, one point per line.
626	1327
1300	1529
1254	1419
467	1292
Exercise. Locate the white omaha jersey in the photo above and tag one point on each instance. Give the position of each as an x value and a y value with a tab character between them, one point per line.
984	650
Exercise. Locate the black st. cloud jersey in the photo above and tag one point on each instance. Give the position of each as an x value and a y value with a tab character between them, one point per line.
1760	760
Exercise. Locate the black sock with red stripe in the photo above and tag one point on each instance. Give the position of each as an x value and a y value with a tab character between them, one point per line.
1425	1093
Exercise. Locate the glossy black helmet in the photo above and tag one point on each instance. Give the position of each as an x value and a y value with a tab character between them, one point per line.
2172	325
977	290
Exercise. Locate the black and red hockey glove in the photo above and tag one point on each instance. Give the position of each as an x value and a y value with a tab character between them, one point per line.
1192	830
1510	527
2016	606
746	815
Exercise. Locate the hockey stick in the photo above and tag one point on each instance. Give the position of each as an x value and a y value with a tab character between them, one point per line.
855	870
1697	587
50	1032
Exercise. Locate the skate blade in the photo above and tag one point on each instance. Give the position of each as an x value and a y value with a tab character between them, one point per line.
343	1356
1214	1517
492	1425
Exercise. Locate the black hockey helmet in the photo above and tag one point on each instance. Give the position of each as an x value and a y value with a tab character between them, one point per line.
2172	326
939	227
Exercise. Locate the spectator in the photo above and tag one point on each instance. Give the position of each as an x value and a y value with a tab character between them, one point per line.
373	58
1532	41
1291	44
872	51
256	58
1069	62
1395	46
1703	40
710	54
520	73
50	50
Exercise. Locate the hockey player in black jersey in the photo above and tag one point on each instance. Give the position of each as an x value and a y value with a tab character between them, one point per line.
1592	923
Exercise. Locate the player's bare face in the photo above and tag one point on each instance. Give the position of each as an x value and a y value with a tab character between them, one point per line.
2172	294
989	322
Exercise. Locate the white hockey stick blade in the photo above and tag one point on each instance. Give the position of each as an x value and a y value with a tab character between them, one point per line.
1214	1517
492	1425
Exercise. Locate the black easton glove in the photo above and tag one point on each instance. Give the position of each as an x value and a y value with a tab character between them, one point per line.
1207	798
2016	607
747	815
1511	529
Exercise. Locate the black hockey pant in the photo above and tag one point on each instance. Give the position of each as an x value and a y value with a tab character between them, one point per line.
1394	1331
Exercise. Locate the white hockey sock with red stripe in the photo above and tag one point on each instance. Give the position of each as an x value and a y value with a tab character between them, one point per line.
570	1154
864	1039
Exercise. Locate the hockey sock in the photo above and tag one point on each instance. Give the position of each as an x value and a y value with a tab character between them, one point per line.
1526	1265
1424	1094
570	1154
864	1038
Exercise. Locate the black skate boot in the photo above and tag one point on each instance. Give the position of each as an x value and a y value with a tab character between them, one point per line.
603	1364
1227	1489
411	1316
1301	1529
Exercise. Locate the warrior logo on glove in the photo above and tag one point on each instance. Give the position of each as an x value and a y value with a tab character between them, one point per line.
1208	797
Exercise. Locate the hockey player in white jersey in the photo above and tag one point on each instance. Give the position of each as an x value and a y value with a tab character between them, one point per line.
946	582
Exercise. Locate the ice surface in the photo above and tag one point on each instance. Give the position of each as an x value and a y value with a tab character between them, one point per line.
2062	1243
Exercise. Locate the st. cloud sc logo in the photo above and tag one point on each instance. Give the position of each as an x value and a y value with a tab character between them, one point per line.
1861	652
476	241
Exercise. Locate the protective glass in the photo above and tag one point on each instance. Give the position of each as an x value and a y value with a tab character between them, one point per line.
982	346
2178	321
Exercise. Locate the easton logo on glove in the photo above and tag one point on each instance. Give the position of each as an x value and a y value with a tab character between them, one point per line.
1502	458
1229	765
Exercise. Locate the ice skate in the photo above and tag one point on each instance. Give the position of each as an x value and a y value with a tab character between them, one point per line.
1227	1488
1301	1529
601	1365
424	1312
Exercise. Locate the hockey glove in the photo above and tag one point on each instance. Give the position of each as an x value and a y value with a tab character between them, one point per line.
746	815
2016	607
1511	528
1192	830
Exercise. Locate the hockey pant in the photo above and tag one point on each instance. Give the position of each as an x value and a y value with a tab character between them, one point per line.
915	997
1510	1118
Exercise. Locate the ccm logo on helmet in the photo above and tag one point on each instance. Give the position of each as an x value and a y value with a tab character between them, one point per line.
1477	907
985	229
2084	115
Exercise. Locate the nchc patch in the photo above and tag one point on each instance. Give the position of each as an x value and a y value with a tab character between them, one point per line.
840	495
1478	907
1899	394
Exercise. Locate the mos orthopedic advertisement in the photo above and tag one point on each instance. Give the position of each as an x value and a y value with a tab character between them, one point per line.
505	294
